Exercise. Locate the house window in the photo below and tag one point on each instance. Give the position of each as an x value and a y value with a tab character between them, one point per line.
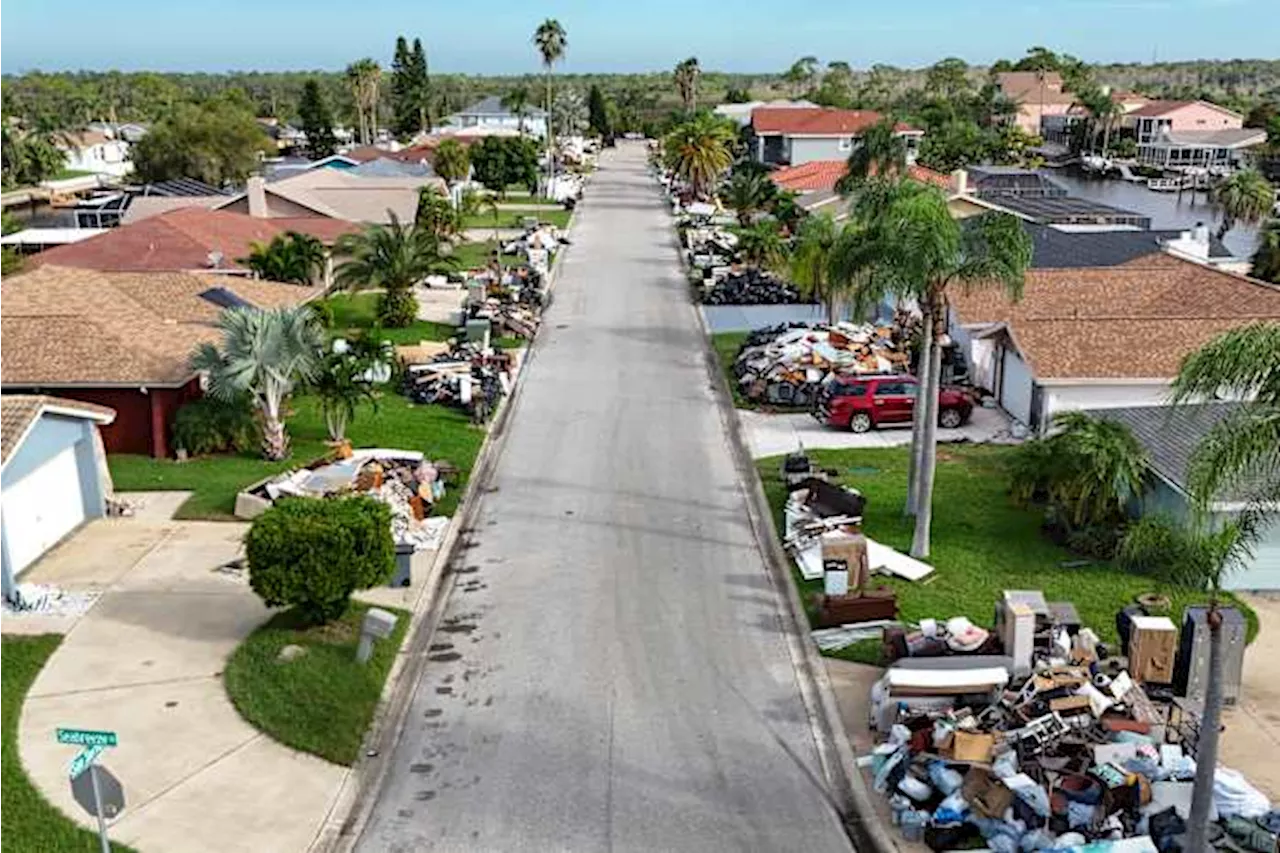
846	143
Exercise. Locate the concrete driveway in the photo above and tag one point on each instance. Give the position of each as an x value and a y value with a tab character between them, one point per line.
146	661
772	434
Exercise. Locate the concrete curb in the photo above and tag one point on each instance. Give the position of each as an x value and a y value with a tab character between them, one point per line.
353	805
847	786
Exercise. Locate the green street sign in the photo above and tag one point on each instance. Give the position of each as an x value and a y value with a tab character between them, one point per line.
86	757
86	737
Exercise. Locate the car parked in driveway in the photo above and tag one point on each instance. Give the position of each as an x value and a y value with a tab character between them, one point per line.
862	403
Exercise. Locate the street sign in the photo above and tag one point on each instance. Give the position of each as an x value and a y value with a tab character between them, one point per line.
109	787
81	762
86	737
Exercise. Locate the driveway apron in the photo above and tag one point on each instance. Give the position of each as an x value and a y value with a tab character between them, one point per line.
610	672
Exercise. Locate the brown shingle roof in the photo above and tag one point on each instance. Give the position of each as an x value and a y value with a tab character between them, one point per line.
182	240
1026	87
65	326
19	411
1135	321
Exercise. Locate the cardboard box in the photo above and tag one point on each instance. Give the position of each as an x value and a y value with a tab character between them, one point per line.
973	746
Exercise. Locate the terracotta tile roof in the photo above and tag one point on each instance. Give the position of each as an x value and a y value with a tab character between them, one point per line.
64	326
324	229
178	240
1135	321
19	411
823	175
816	121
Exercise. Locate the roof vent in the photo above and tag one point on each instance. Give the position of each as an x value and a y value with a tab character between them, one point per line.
215	259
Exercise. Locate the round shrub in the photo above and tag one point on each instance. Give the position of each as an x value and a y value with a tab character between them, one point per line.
211	425
323	312
1161	548
314	553
397	308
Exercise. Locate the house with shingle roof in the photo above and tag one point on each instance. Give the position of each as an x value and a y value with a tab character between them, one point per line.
53	475
1101	337
793	136
1186	134
121	340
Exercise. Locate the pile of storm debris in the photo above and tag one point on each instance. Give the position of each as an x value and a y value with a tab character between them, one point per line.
510	299
749	286
787	364
405	480
538	245
1037	735
469	375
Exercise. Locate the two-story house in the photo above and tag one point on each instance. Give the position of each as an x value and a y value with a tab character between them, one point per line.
793	136
490	114
1182	134
1039	96
96	152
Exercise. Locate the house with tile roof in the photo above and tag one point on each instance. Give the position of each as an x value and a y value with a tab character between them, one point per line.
121	340
187	239
793	136
1039	95
1102	336
1191	134
53	475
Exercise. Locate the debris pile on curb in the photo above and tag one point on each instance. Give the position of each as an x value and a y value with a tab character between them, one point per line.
1035	735
787	364
750	286
37	599
511	299
468	376
538	245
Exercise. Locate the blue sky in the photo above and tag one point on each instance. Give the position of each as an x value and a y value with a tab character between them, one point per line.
607	35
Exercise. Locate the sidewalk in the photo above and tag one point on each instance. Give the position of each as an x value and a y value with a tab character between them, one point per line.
146	661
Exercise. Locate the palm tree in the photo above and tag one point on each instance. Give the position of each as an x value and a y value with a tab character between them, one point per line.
762	246
881	152
264	354
699	152
392	258
1246	196
517	100
913	247
802	73
342	381
1266	260
686	78
811	260
748	191
363	76
551	43
290	257
1239	456
453	161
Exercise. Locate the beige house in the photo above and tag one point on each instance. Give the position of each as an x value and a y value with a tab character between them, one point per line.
1037	95
332	194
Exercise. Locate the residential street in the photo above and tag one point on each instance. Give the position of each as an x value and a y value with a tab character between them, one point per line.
610	672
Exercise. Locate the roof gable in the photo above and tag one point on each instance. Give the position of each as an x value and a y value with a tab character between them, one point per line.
19	413
1156	109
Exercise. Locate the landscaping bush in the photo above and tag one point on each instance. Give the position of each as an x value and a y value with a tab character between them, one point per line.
315	553
1159	547
323	312
211	425
397	308
1097	541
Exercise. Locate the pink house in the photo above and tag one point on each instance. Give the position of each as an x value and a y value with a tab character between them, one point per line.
1037	95
1182	134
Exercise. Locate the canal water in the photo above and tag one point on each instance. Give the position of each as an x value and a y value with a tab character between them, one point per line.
1165	210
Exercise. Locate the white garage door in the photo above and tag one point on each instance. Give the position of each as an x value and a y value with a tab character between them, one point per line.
1015	387
41	508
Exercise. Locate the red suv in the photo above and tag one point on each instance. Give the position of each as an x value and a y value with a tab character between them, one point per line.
860	403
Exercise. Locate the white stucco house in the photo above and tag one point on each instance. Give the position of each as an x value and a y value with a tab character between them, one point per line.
98	152
490	114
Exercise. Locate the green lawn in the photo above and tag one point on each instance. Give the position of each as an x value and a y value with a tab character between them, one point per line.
437	431
355	311
515	218
30	822
982	542
321	702
726	345
473	255
64	174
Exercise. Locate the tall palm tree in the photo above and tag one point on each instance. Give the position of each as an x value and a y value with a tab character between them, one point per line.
264	354
811	258
551	42
1266	259
291	257
364	77
392	258
748	191
686	78
1239	456
699	152
881	152
1246	196
913	247
517	100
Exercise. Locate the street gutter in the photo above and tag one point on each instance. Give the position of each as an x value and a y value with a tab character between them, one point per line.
357	795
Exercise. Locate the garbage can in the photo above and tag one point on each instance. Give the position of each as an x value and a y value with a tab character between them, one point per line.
404	566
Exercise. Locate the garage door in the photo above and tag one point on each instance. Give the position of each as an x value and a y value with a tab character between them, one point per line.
1015	387
41	508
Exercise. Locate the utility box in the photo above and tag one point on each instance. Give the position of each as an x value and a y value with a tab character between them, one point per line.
404	565
1191	675
1152	648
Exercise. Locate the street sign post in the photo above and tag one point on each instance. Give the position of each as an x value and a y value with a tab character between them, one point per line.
84	759
93	787
87	737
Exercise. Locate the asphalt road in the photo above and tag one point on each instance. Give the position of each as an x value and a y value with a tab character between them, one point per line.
610	672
